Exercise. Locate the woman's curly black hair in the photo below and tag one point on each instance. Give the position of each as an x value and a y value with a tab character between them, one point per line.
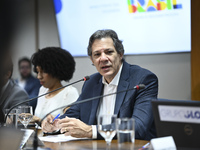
55	61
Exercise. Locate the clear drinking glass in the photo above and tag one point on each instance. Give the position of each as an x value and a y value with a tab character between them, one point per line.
25	115
11	120
107	127
125	130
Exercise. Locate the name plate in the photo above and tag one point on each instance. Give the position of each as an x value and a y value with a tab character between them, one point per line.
163	143
179	113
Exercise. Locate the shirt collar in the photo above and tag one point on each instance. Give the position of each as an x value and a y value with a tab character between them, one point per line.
115	80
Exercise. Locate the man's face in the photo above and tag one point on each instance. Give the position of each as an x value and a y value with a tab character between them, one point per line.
105	58
24	69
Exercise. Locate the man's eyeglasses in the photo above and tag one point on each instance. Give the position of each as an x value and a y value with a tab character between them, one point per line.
24	67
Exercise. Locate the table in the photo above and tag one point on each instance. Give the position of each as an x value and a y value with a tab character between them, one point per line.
89	144
95	145
11	138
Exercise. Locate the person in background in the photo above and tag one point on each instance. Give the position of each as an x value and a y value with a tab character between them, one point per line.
114	74
11	93
53	65
27	81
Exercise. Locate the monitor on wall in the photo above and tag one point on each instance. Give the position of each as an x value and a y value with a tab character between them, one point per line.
144	26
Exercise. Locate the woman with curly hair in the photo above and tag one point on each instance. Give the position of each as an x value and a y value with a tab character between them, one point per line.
53	65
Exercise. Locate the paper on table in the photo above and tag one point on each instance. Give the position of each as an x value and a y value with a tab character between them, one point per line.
58	138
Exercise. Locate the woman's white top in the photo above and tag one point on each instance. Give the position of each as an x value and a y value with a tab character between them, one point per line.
66	96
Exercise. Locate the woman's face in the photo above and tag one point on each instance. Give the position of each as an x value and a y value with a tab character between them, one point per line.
45	79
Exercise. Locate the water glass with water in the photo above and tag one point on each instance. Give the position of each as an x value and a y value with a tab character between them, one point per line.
25	115
125	130
107	127
12	117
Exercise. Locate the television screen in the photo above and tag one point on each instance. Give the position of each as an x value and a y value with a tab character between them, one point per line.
144	26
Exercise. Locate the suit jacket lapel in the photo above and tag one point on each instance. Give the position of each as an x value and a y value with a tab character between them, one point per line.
6	93
97	91
123	85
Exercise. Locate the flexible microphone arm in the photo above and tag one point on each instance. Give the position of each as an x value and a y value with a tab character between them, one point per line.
83	79
137	87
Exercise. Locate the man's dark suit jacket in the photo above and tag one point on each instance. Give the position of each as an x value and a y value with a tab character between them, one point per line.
135	104
12	95
32	88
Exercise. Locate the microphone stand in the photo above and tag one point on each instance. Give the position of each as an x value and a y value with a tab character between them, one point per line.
84	79
35	142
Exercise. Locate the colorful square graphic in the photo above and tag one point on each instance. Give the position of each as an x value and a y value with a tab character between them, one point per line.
150	5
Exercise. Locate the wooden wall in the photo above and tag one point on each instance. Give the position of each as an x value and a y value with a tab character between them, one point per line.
195	53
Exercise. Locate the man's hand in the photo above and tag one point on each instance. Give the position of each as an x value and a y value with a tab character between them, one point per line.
48	126
75	128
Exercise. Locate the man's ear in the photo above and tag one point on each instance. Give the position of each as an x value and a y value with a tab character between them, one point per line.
121	56
8	75
91	59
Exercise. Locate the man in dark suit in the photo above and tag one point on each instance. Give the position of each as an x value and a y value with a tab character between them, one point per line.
27	80
114	74
11	93
7	25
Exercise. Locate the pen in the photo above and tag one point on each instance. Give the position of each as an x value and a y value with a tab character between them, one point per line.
55	118
145	145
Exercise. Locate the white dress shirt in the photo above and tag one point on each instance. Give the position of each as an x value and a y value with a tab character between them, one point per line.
107	104
22	83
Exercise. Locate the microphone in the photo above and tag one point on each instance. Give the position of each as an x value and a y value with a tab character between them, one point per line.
83	79
137	87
